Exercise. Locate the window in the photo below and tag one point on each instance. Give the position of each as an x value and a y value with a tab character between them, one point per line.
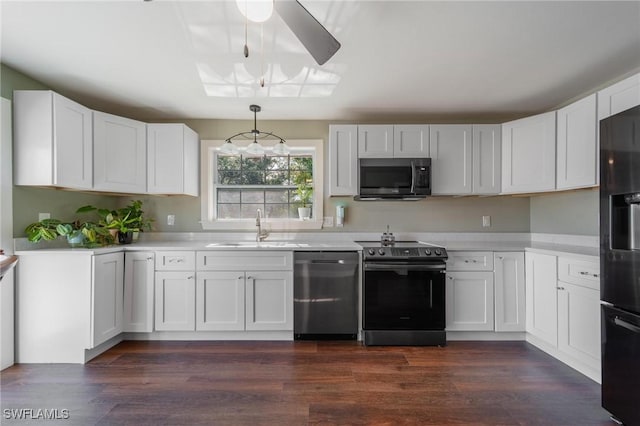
235	187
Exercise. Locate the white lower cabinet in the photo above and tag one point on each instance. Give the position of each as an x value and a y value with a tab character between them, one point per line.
469	301
251	298
107	297
509	291
175	301
579	323
542	300
138	292
563	318
269	300
68	304
220	301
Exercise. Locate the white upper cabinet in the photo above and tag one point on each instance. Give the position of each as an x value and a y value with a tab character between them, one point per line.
172	159
529	154
411	141
375	141
343	159
389	141
577	148
451	155
53	145
486	158
619	97
120	154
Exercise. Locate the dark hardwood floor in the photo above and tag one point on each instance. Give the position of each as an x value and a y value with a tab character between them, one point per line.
299	383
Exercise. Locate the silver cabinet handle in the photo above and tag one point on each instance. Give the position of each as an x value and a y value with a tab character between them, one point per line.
249	277
190	277
584	273
150	258
596	275
560	288
450	277
240	277
501	257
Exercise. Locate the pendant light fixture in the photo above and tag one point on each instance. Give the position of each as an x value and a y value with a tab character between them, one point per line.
254	148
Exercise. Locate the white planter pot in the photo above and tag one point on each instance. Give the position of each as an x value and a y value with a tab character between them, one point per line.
304	213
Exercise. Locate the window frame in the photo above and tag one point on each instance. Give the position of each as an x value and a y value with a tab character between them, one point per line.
208	175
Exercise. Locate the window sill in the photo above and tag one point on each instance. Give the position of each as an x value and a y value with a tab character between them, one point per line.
268	224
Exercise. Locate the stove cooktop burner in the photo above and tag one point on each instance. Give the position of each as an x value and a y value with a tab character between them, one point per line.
402	250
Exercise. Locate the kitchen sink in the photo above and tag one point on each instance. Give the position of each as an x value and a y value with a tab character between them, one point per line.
253	244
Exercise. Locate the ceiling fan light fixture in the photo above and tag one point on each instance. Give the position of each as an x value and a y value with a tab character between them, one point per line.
256	10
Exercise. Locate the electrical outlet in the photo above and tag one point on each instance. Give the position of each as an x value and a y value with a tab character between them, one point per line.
327	221
171	219
486	221
42	216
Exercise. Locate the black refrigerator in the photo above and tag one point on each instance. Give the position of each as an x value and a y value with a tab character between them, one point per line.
620	264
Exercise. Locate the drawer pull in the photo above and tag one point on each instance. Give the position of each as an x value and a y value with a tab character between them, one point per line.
190	277
240	277
560	288
150	258
584	273
596	275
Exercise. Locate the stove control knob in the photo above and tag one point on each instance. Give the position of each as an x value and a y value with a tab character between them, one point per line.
381	252
371	252
427	252
438	252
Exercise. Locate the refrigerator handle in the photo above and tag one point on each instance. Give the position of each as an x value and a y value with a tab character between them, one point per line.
622	323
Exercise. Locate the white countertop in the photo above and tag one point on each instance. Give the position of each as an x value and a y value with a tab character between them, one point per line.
550	244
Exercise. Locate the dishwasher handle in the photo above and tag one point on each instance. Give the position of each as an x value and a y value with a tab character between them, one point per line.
325	261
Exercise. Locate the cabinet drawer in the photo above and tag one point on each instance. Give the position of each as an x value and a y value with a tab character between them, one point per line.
579	272
470	261
245	260
175	260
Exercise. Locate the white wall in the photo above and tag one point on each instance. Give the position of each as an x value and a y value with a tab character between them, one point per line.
569	212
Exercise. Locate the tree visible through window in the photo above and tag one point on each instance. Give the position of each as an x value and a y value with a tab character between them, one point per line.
247	183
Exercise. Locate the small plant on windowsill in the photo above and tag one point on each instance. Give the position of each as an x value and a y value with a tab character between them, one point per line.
304	195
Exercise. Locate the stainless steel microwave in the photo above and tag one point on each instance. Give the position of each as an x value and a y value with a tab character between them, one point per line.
394	178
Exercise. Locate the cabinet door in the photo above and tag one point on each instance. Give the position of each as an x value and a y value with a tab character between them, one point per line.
541	296
175	301
486	155
73	165
343	160
619	97
577	148
53	133
469	299
411	141
450	159
375	141
529	154
138	292
220	301
172	159
269	300
120	154
509	291
579	323
165	147
108	275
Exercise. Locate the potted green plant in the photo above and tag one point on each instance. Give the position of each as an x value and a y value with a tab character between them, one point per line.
118	223
139	222
46	229
304	194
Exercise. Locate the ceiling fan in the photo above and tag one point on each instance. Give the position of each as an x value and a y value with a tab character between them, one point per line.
314	37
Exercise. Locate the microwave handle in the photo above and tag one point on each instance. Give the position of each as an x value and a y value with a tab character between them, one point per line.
413	177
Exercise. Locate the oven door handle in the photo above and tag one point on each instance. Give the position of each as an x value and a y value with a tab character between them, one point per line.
394	266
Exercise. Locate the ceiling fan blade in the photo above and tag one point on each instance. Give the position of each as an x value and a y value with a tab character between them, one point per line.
315	38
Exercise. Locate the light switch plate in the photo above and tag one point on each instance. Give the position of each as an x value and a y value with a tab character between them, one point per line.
42	216
171	219
486	221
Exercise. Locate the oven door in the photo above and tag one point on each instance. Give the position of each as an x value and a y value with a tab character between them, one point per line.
403	296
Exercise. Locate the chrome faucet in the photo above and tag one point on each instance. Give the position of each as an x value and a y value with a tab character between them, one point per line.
262	234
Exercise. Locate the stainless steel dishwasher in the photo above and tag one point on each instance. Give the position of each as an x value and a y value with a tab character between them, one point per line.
325	295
